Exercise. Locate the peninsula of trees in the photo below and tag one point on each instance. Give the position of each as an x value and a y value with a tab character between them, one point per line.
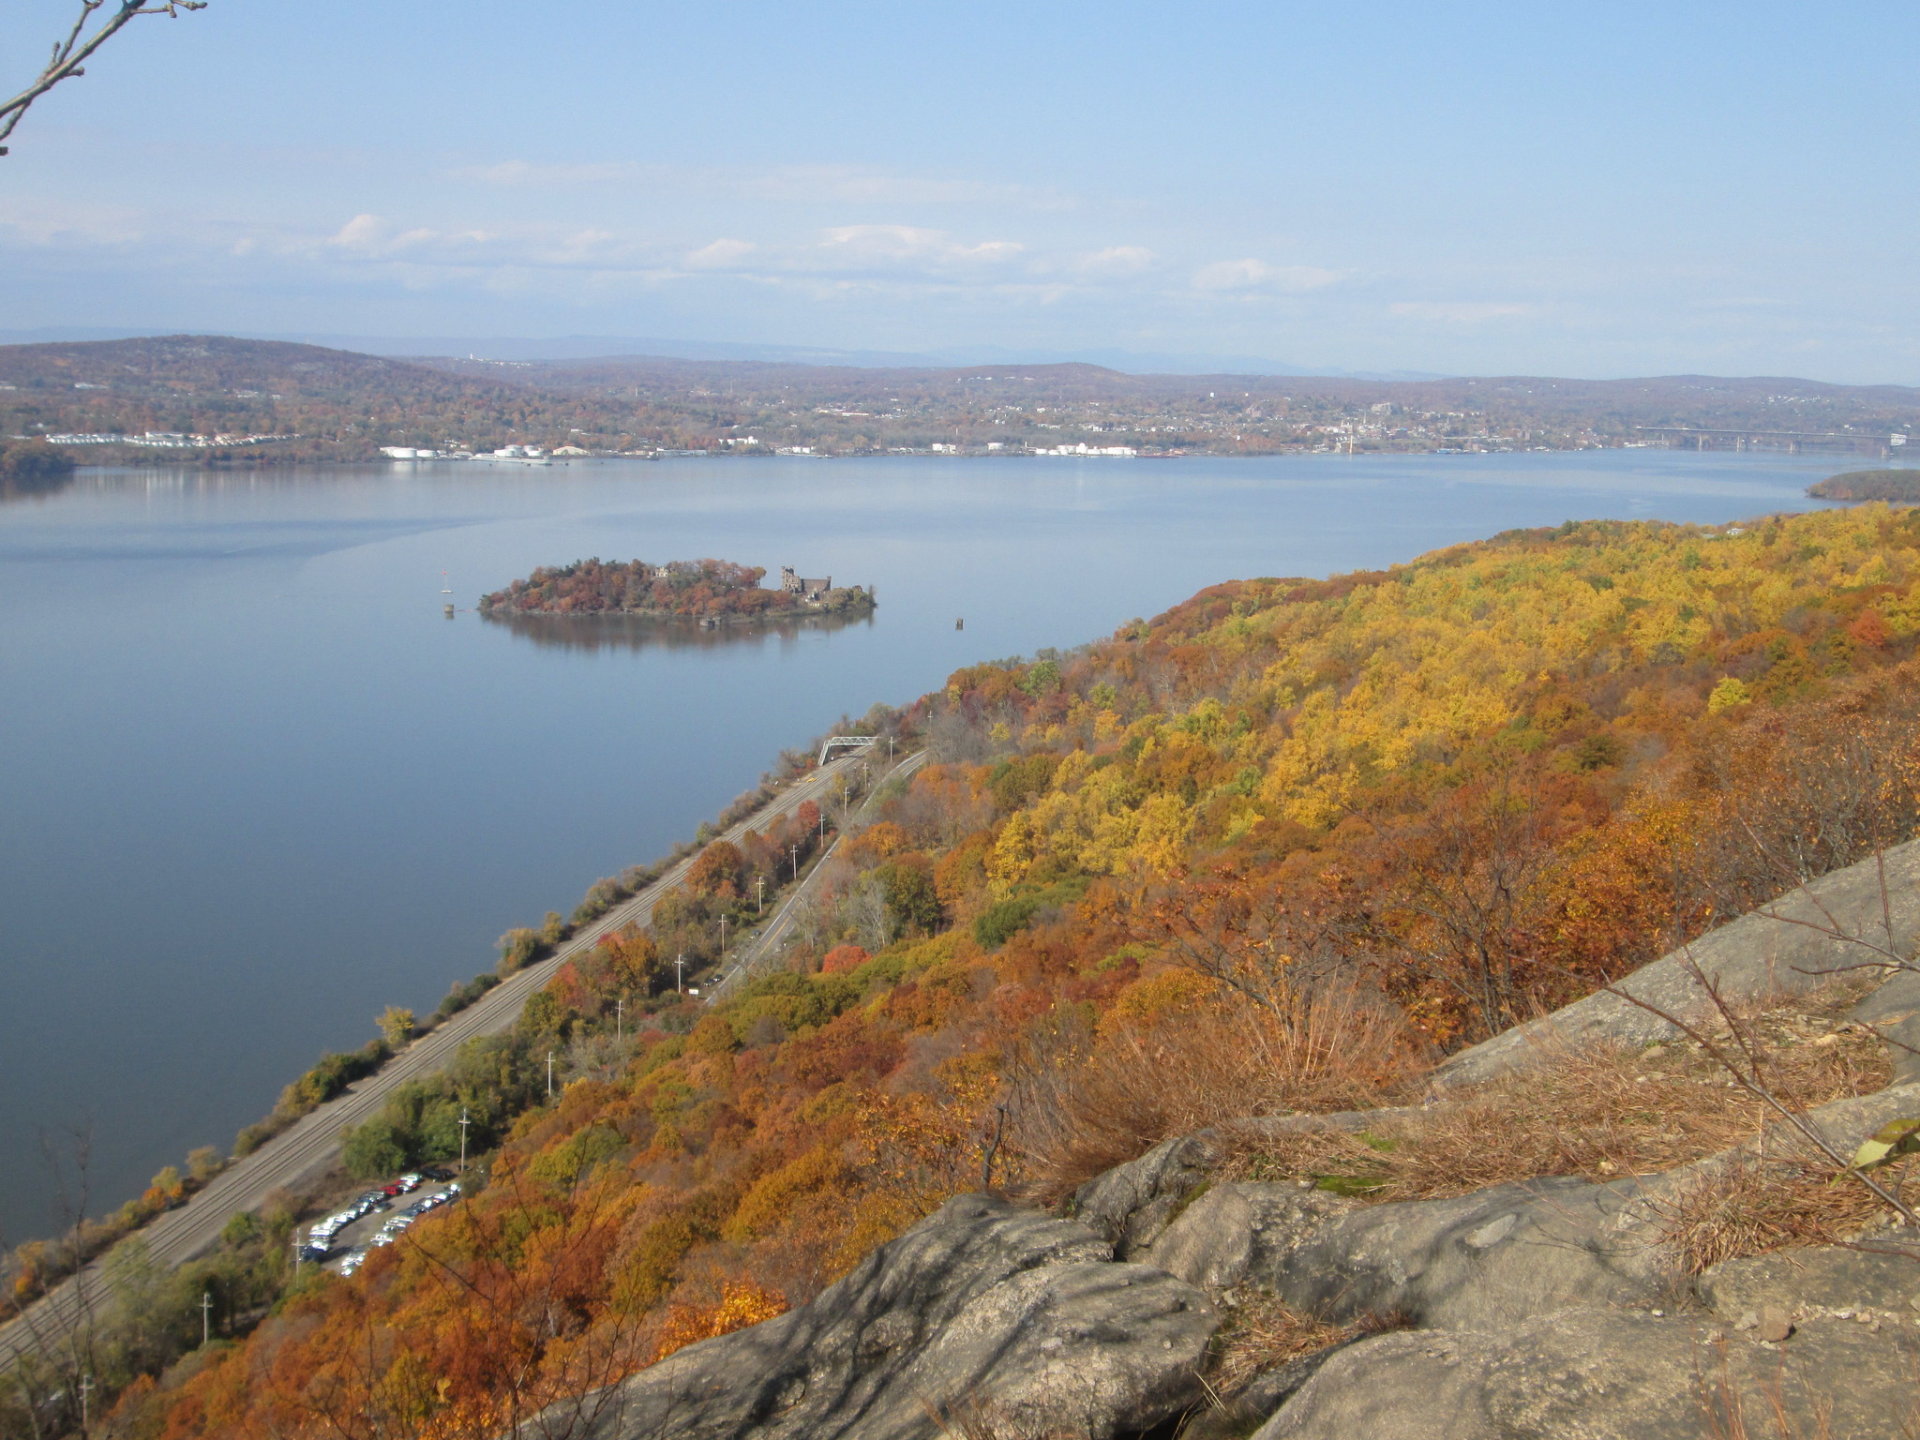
711	591
1897	487
32	468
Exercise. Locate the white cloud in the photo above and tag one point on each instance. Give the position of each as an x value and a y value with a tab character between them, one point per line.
1461	312
47	221
1115	261
362	232
894	245
722	254
374	238
780	184
521	172
1249	275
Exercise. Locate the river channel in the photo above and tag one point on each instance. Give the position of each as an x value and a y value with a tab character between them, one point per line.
255	786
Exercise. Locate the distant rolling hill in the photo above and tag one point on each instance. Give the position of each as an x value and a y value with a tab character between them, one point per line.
340	404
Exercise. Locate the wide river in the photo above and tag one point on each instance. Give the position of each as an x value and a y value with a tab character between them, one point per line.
254	786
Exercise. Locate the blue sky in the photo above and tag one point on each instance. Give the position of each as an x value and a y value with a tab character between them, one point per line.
1593	190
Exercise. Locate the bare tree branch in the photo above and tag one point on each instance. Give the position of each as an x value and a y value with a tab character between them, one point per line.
71	54
1743	1065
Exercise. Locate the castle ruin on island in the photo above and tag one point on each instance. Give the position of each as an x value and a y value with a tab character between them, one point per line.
808	590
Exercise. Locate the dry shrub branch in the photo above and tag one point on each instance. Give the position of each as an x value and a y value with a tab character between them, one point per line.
1135	1084
1600	1113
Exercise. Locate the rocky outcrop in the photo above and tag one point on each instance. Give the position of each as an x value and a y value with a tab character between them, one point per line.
1554	1308
982	1319
1133	1203
1595	1374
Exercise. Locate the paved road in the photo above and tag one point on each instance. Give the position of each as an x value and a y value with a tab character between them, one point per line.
312	1144
764	949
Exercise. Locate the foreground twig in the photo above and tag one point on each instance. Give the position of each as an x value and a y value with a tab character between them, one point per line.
71	54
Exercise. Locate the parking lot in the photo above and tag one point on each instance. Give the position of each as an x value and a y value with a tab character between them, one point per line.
342	1240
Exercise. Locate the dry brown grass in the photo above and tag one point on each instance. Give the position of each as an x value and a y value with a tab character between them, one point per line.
1261	1334
1128	1089
1755	1207
1599	1113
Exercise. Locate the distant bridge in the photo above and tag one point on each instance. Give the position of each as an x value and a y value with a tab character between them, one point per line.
845	742
1686	437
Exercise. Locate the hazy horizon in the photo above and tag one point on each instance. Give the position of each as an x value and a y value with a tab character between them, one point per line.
1488	189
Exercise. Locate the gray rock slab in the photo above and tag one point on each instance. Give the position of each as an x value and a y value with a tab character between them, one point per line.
1893	1011
1494	1258
1877	1275
1236	1233
1131	1204
981	1310
1597	1374
1413	1385
1082	1349
1234	1416
1788	947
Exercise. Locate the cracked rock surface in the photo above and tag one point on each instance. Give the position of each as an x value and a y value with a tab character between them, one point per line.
983	1316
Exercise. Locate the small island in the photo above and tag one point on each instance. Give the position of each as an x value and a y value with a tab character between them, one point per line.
709	592
1901	487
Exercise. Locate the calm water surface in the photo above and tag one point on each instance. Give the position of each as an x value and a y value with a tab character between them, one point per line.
254	787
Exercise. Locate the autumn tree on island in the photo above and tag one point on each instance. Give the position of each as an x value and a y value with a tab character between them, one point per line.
708	590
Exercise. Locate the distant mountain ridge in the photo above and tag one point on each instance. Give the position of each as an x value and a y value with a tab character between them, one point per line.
599	347
270	400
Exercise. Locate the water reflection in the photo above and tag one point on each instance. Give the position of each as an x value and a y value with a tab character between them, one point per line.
635	632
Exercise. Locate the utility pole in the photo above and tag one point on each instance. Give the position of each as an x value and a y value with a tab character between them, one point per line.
619	1020
794	852
206	1317
86	1389
759	894
723	942
464	1122
680	974
549	1074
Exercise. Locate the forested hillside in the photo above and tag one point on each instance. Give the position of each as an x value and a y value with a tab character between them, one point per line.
276	402
221	400
1279	848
